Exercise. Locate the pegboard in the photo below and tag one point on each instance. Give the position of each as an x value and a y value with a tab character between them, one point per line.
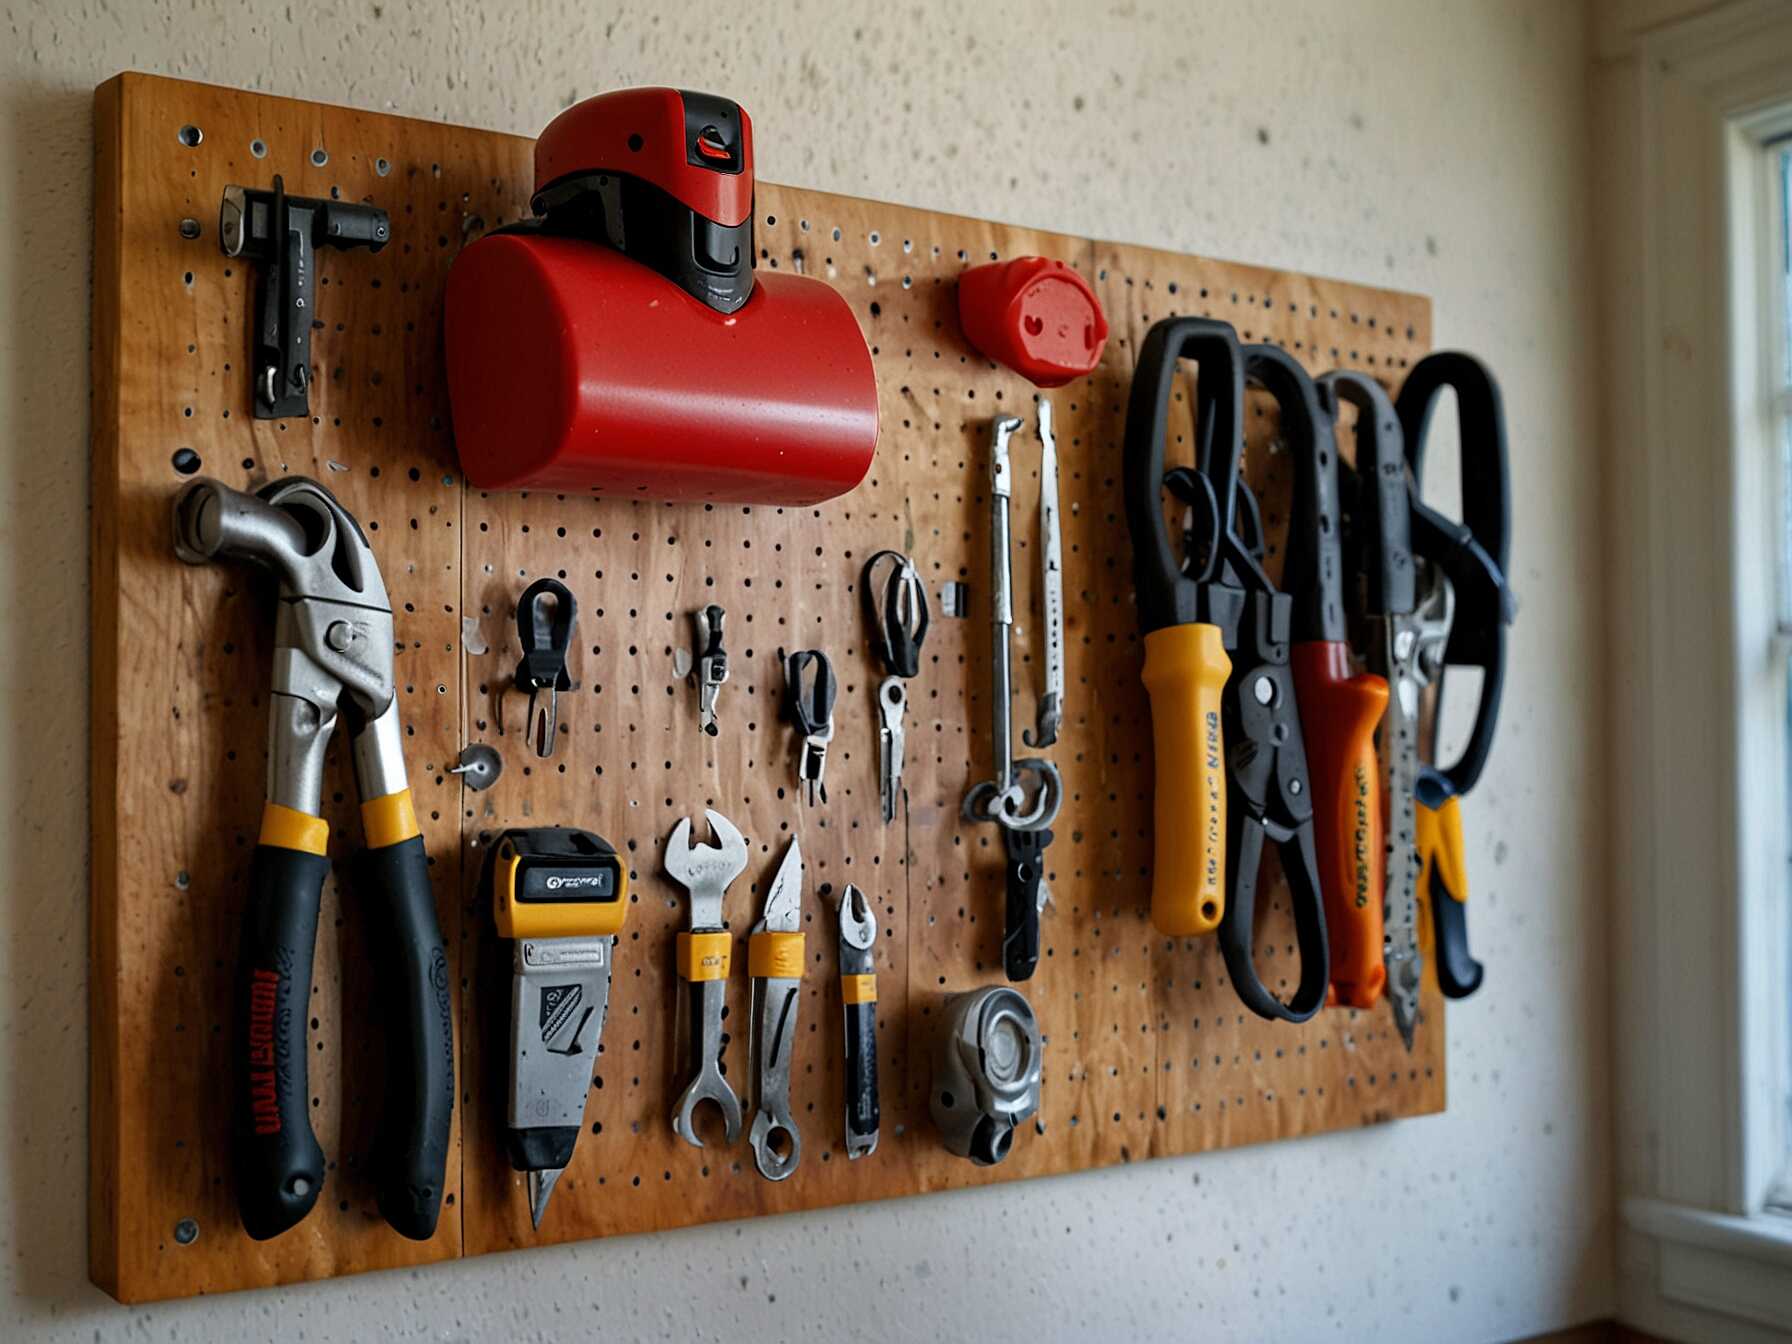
1148	1052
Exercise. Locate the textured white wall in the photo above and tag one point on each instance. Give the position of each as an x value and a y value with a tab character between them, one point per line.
1435	147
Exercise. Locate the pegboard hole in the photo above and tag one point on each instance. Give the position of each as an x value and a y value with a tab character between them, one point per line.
382	166
186	461
190	136
259	148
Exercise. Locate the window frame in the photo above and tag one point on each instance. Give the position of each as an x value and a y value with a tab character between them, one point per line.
1699	842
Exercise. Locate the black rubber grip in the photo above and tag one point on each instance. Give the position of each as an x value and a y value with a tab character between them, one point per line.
862	1110
1026	864
279	1165
540	1149
1458	973
411	1150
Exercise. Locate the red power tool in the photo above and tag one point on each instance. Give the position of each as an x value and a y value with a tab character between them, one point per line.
621	342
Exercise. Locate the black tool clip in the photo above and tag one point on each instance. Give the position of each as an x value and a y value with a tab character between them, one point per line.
898	611
809	691
1471	554
545	640
283	232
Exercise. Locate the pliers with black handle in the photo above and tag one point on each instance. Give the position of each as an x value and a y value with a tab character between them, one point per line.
333	644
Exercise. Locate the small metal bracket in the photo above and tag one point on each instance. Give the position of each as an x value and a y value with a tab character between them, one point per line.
283	233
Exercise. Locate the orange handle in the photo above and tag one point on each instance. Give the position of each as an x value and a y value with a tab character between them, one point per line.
1185	671
1339	711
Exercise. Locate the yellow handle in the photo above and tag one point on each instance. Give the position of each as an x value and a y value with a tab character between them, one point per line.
1185	671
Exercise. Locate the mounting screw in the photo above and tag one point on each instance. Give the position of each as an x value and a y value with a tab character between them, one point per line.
186	1231
340	636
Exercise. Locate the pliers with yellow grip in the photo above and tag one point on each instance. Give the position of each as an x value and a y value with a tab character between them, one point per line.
333	643
1231	765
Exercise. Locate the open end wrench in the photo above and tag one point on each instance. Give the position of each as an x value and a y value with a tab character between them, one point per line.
705	872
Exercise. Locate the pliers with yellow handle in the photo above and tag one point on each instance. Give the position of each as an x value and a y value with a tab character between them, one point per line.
333	643
1231	766
1462	581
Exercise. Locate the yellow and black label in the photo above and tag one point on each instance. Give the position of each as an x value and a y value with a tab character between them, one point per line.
288	828
858	988
557	882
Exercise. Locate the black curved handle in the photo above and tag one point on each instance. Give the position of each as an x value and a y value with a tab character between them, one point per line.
862	1109
1026	868
1300	865
279	1165
411	1151
1313	569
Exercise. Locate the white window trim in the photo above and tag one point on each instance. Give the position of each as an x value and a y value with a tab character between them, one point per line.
1698	854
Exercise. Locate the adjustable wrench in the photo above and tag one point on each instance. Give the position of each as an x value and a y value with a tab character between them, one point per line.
703	955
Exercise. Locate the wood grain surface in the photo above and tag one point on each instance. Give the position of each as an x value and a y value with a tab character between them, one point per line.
1148	1051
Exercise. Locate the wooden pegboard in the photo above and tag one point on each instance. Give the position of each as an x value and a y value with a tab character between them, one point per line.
1148	1051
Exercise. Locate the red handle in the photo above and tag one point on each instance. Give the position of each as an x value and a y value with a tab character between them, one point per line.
1339	711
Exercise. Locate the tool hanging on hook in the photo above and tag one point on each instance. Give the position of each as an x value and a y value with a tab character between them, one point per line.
1006	799
775	963
542	673
899	614
710	669
283	233
1050	711
809	691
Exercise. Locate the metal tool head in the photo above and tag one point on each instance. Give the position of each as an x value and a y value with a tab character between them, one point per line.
858	922
1001	474
541	1188
783	911
709	1084
711	667
706	870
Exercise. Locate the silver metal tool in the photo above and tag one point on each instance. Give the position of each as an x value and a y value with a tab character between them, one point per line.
1411	658
1006	799
775	961
987	1075
897	602
332	660
546	617
1049	713
711	667
705	872
858	992
892	706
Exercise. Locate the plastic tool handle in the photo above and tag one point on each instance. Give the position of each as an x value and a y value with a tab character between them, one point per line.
411	1151
1339	710
1443	874
279	1165
862	1110
1185	671
1026	865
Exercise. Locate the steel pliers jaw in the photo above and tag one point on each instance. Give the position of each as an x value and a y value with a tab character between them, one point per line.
1471	554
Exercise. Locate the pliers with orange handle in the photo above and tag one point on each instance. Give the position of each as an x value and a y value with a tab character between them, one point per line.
1340	707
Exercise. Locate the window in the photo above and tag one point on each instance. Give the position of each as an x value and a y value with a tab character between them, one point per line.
1778	361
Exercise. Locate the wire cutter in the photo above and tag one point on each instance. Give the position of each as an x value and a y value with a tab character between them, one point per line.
546	617
333	643
1470	558
775	962
898	611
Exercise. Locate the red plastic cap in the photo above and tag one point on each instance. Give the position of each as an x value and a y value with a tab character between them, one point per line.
696	147
1034	314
